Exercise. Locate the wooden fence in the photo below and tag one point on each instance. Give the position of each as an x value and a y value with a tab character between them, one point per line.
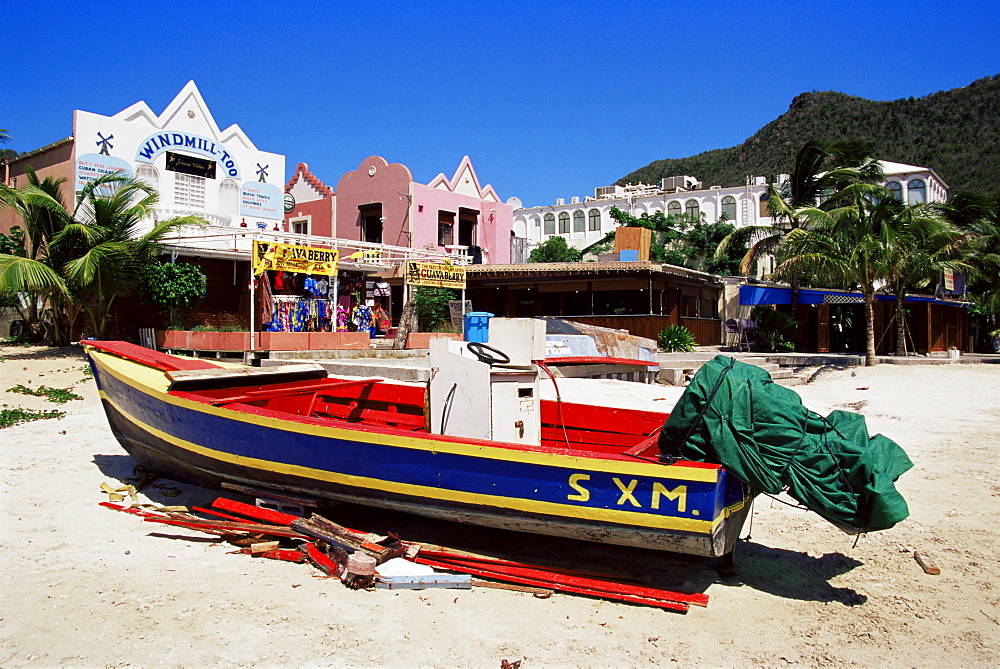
707	331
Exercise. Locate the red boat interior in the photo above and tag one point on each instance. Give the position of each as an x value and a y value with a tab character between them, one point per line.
381	404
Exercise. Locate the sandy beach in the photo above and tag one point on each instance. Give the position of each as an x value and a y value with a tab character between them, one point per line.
81	585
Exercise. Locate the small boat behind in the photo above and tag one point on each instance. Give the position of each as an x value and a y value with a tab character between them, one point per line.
475	445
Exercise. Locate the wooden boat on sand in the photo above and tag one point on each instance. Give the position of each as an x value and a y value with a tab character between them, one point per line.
520	463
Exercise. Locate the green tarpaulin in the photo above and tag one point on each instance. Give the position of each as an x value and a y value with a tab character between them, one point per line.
733	414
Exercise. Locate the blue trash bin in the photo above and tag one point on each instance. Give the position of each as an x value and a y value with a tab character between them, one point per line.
477	326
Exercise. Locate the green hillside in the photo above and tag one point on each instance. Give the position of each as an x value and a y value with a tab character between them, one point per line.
956	133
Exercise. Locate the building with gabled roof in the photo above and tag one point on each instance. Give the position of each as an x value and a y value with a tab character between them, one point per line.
380	202
197	167
310	204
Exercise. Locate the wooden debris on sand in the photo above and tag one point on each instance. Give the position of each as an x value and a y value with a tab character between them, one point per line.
926	563
354	556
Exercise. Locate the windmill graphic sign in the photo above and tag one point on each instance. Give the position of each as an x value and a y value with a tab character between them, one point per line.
90	166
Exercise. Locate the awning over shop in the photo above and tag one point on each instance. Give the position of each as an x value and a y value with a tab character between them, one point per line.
754	295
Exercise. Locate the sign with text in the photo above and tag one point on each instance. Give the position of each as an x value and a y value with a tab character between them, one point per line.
262	200
93	165
291	258
156	144
457	309
434	274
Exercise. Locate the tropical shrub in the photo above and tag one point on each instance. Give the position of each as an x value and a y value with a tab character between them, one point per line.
172	285
555	249
432	307
676	339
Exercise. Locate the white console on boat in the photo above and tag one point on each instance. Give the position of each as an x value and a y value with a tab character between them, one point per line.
472	398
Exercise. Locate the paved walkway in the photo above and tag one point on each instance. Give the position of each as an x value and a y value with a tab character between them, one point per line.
837	359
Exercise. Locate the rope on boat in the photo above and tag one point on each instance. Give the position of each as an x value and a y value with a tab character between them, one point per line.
562	422
446	408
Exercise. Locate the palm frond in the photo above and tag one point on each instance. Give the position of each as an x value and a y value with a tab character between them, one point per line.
19	274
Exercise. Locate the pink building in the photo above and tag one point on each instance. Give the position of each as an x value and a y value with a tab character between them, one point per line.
379	202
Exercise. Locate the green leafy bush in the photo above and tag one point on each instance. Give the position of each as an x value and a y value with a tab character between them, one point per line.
432	307
555	249
173	285
676	339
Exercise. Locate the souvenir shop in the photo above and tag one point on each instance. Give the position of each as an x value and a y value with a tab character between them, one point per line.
346	302
301	290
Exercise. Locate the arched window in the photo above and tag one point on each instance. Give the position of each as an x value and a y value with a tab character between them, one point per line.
729	208
595	219
691	208
550	224
229	195
916	192
674	209
896	189
148	175
564	223
579	222
765	208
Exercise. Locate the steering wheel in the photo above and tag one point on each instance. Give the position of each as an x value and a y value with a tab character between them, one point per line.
480	351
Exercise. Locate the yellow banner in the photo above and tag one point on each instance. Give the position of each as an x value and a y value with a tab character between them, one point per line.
434	274
291	258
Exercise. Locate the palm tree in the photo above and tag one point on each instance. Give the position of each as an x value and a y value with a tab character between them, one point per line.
856	244
977	218
91	256
45	306
821	169
923	246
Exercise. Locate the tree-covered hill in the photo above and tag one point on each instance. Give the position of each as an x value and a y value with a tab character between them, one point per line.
956	133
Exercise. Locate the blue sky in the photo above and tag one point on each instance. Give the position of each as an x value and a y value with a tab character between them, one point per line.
549	99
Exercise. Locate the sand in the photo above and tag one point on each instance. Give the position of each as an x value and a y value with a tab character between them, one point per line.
85	586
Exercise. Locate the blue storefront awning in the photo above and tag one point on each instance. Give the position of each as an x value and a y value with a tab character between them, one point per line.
754	295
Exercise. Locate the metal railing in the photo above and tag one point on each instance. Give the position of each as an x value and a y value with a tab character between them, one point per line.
240	240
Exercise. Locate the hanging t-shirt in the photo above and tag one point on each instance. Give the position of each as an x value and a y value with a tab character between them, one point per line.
309	286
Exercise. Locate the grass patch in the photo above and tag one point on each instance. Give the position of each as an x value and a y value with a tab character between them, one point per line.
10	417
57	395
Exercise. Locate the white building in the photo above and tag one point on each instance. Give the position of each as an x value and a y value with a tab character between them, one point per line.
913	184
584	222
219	175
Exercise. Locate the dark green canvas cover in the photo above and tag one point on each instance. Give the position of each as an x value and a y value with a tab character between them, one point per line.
733	414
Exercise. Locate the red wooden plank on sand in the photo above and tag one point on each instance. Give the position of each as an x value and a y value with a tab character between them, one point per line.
255	512
542	583
565	577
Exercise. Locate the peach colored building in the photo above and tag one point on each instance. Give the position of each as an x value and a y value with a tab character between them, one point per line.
54	160
309	204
